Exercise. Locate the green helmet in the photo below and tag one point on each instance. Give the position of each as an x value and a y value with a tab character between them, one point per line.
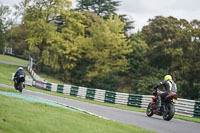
168	77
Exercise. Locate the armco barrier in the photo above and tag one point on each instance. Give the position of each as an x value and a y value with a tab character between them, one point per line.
28	81
54	87
90	93
74	90
99	95
60	88
48	86
197	109
39	84
121	98
110	97
134	100
67	89
146	99
184	107
82	92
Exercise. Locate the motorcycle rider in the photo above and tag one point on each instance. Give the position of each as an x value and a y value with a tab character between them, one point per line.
169	86
19	76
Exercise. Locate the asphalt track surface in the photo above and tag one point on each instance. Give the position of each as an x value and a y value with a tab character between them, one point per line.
13	63
154	123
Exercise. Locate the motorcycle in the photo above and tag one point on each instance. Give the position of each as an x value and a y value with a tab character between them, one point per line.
19	83
167	109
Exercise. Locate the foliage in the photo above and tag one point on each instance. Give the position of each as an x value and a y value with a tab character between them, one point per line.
54	47
101	7
176	44
5	23
143	76
129	23
104	8
106	49
16	37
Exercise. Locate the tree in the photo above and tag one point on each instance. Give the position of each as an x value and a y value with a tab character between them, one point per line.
5	23
103	54
160	29
101	7
109	48
56	49
143	76
129	23
16	39
189	65
104	8
159	35
174	46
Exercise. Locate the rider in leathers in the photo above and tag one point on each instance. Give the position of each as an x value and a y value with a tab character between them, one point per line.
19	76
169	85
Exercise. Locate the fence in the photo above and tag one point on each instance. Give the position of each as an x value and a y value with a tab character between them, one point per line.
184	107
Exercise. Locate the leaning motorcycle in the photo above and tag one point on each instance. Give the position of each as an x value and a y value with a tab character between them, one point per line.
19	83
167	109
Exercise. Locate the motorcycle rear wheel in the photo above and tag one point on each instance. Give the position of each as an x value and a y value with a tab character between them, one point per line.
149	111
21	87
170	112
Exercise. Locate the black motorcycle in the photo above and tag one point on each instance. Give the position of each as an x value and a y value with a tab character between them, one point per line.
167	109
19	83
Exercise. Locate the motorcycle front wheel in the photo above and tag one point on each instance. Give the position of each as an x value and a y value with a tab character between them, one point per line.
169	113
149	111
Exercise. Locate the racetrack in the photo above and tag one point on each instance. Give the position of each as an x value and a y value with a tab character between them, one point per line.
13	63
154	123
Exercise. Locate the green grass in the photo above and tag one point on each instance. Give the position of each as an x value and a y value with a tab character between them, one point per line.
18	116
12	59
6	73
192	119
8	90
5	78
50	79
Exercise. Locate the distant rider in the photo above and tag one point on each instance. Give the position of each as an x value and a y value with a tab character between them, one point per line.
19	76
169	85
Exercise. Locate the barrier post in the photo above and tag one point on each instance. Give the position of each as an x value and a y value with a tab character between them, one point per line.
90	93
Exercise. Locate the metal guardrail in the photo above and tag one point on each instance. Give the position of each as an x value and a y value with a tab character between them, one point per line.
184	107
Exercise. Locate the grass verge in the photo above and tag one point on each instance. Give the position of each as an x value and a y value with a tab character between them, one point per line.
18	116
185	118
6	73
13	59
50	79
8	90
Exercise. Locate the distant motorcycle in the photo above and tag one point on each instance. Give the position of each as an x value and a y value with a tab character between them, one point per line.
19	83
167	107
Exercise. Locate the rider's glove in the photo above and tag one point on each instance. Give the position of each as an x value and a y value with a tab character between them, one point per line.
155	87
154	93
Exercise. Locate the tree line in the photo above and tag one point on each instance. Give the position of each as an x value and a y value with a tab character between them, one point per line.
89	46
